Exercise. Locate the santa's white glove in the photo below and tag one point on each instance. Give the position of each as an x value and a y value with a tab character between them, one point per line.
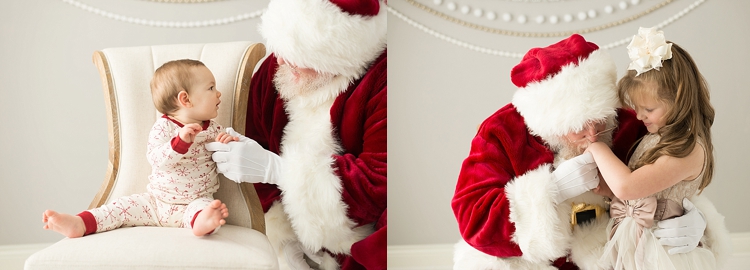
246	160
575	176
682	233
295	256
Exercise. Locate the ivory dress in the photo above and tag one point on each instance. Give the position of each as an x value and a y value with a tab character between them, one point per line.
632	244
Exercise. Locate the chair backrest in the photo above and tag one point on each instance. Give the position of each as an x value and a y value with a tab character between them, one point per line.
126	74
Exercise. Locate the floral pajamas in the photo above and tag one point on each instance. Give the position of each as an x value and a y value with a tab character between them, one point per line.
145	210
182	183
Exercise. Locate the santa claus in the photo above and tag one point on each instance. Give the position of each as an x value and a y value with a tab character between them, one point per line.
526	196
316	133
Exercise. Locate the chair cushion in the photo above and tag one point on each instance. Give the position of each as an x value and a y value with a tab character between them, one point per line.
232	247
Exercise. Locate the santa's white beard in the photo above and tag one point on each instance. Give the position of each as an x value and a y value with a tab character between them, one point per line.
566	149
290	85
570	150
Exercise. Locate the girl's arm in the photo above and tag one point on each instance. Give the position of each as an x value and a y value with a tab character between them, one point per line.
646	180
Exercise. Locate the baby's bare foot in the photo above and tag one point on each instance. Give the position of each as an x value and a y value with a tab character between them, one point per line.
210	218
68	225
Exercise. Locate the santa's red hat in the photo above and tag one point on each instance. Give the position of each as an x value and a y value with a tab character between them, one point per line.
563	86
341	37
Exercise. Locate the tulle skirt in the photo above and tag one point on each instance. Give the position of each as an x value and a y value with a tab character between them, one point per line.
625	252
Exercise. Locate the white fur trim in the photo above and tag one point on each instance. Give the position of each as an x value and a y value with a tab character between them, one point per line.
716	237
311	191
279	232
278	229
328	263
466	257
318	34
588	243
585	243
540	232
566	101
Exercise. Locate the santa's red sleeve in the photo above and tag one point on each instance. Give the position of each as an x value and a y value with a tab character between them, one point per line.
503	200
360	116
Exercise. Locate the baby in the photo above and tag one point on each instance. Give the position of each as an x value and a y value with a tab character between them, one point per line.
183	178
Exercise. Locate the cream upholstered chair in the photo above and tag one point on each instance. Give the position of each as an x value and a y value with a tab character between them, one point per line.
240	244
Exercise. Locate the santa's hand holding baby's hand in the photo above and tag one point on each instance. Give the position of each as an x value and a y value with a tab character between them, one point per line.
245	160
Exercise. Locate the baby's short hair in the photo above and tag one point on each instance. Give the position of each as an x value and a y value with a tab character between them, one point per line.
169	79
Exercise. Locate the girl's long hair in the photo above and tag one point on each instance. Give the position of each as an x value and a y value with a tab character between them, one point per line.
689	115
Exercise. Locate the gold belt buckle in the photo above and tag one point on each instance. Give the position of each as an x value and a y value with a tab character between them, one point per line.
585	212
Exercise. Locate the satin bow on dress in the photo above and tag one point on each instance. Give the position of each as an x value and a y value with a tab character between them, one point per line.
642	211
639	215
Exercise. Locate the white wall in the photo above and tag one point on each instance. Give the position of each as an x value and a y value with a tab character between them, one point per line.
53	150
53	144
440	93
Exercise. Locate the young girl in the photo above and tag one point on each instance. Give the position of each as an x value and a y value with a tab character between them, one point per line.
183	177
673	162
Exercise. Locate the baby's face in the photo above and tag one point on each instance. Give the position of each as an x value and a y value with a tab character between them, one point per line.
203	95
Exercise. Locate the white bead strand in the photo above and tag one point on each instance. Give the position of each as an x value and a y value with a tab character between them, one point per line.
581	15
476	48
171	24
450	39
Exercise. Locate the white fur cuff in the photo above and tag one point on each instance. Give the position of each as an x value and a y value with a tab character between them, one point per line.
539	232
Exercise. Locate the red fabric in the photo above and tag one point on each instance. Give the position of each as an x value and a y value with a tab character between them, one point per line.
180	146
88	221
502	150
359	118
369	252
358	7
623	143
540	63
564	264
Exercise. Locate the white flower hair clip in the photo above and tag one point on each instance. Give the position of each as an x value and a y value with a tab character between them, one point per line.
648	50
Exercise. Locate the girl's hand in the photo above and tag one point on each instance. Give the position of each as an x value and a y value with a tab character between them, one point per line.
188	132
593	147
226	138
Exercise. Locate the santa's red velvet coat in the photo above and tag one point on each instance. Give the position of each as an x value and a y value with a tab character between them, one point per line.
503	152
358	118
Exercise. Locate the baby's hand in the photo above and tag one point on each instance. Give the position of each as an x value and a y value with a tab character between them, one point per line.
188	132
226	138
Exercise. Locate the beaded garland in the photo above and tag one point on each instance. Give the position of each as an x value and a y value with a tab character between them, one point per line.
540	19
172	24
484	50
522	18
